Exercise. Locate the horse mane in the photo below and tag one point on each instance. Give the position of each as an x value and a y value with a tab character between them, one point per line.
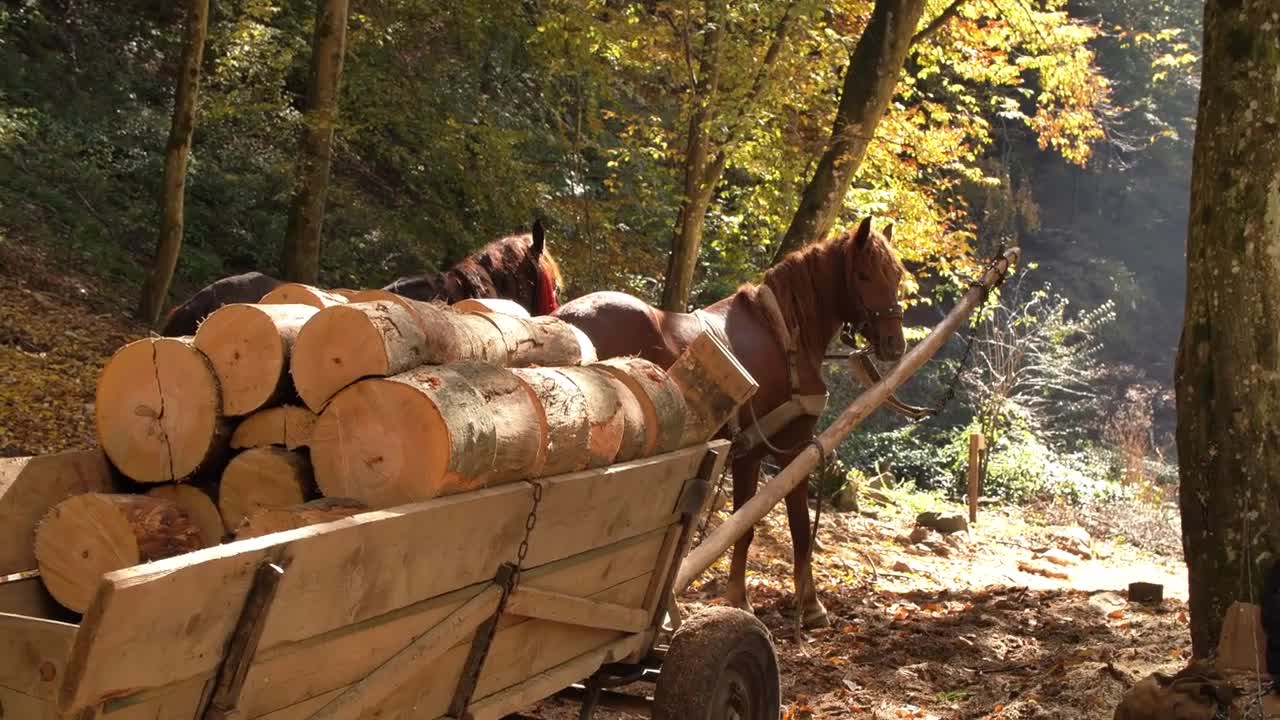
480	273
795	280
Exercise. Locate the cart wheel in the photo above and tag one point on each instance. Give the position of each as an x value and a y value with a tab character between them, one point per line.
721	665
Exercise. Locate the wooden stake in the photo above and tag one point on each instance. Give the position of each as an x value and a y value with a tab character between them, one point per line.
976	444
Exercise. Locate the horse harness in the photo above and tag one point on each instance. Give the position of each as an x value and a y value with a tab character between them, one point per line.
797	406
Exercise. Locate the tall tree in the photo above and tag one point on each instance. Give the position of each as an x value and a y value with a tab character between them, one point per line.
869	82
300	259
173	189
705	154
1228	367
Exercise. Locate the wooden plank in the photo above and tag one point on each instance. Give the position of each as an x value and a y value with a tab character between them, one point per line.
375	686
519	651
347	571
29	597
33	654
26	707
550	681
30	486
288	675
543	605
666	558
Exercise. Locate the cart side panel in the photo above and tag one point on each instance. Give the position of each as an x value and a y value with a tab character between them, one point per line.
290	675
520	649
33	655
30	486
165	622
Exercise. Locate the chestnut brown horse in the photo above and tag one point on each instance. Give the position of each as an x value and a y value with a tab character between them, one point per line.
517	267
780	332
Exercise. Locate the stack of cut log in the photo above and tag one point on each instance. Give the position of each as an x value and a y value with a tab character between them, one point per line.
313	405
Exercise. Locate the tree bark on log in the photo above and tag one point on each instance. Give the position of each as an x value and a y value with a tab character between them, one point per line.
634	431
659	398
519	425
564	413
87	535
606	422
266	477
158	411
410	437
713	384
300	259
249	347
273	520
300	294
869	83
199	506
288	426
1227	377
168	245
381	338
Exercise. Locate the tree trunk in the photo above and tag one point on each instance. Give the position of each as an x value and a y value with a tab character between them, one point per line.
869	83
701	177
156	286
1228	367
300	261
266	477
157	409
87	535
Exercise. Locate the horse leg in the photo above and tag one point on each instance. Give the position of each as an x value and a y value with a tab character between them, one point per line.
746	473
813	614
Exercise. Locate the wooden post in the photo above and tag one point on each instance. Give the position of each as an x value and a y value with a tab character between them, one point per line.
977	444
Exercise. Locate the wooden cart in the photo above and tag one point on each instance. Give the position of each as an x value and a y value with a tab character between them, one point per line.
469	606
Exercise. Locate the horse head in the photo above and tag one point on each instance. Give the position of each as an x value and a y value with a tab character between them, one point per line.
873	275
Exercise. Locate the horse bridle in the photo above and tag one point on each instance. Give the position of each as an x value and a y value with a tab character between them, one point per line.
849	334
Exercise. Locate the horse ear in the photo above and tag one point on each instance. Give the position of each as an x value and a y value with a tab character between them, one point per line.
888	233
539	238
863	233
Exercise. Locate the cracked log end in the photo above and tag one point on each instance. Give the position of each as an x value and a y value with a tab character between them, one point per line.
158	410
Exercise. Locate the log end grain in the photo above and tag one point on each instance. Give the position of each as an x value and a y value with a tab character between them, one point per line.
158	410
345	343
300	294
248	347
265	477
288	426
198	504
85	536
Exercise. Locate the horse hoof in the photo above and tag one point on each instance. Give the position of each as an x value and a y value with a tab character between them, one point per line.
815	617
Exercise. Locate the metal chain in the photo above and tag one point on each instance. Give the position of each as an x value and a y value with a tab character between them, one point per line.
529	524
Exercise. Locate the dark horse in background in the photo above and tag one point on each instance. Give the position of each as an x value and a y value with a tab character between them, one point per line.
780	332
517	267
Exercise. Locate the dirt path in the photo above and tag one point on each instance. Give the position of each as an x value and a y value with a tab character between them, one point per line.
952	628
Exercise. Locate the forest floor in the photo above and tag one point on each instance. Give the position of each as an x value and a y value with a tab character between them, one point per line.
951	627
943	628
